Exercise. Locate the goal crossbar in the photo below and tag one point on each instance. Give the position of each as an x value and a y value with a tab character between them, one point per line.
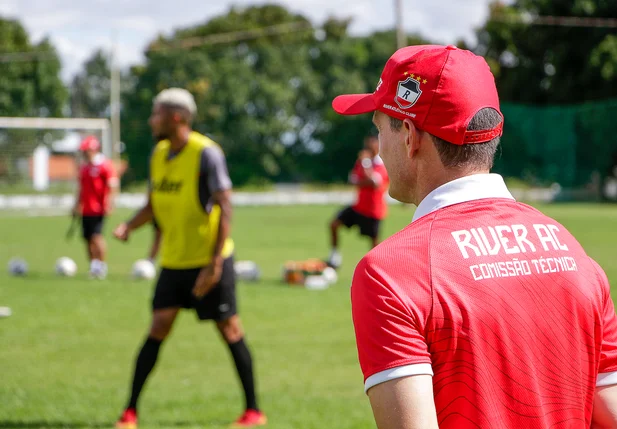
63	124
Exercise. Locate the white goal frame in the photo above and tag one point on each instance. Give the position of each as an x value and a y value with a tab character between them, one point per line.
104	125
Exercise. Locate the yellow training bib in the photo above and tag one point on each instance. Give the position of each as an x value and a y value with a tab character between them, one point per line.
189	233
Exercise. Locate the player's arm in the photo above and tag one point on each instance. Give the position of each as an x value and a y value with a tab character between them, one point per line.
76	210
605	408
369	178
223	200
605	399
372	180
355	174
404	403
113	184
139	219
392	350
216	174
143	216
156	242
215	177
77	205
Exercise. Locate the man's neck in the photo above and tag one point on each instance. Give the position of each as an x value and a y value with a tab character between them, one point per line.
180	139
441	179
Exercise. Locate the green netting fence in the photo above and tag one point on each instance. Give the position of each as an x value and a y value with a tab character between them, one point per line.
559	144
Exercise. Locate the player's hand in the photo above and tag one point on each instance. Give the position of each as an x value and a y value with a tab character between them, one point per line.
208	277
122	232
363	154
75	211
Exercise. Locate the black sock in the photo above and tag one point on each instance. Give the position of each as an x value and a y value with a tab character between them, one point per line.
244	365
143	366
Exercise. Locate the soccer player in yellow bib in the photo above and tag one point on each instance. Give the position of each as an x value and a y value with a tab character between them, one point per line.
189	197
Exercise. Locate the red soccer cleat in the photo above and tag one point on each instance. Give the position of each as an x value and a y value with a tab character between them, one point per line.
128	419
250	418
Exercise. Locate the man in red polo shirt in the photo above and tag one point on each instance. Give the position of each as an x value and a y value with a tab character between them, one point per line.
97	183
371	179
483	312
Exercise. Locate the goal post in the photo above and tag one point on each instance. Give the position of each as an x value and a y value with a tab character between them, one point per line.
102	125
37	152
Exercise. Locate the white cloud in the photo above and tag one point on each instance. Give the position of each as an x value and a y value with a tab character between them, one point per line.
142	23
8	8
128	55
72	54
79	27
45	22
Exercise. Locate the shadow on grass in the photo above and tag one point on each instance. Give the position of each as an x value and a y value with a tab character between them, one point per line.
33	424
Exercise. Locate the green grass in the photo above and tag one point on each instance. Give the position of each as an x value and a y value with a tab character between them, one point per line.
25	188
67	352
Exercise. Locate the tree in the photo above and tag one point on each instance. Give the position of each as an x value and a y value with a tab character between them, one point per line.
547	65
347	64
30	86
247	92
266	98
90	89
550	64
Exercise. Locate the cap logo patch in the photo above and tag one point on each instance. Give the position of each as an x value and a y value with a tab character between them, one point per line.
408	93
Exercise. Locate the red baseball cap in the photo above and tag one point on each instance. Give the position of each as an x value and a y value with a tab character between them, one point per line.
440	88
89	143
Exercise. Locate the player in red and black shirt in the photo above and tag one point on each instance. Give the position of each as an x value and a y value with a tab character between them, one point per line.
371	179
97	183
483	312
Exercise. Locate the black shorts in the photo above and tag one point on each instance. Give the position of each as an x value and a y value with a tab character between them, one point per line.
91	225
369	226
174	288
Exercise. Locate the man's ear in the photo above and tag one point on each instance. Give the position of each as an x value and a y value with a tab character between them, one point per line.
412	138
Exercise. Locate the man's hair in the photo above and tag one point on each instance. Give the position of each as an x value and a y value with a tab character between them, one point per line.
179	100
477	155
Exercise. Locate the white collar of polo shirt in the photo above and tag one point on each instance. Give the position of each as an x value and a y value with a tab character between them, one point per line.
469	188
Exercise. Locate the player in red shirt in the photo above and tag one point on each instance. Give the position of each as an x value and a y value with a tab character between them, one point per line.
371	179
97	183
483	312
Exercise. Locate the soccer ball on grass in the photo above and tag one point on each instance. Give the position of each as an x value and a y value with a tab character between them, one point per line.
18	267
66	267
143	269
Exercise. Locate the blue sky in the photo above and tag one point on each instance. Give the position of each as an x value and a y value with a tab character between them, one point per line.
77	27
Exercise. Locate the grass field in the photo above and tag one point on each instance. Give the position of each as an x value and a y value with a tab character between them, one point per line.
67	352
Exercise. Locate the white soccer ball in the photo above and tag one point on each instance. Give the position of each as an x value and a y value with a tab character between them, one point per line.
143	269
316	283
18	267
5	312
247	270
330	275
66	267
